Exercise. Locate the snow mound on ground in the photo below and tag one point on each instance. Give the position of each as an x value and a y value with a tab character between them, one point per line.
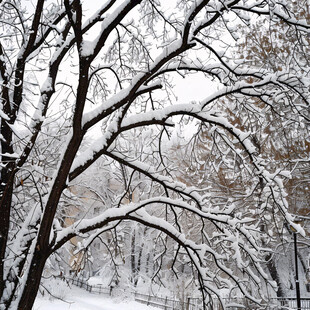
54	288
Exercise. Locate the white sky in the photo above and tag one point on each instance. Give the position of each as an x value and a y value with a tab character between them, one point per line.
193	88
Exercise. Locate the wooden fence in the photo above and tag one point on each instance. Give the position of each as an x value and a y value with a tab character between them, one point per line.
155	301
291	303
166	303
97	289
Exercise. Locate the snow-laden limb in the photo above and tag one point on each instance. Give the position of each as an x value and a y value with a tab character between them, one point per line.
198	253
116	102
273	9
197	111
91	48
281	80
274	182
218	69
174	48
137	82
85	225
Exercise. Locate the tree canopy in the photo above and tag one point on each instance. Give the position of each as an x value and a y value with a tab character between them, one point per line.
83	81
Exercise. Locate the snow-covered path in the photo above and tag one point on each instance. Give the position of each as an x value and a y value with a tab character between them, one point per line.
79	299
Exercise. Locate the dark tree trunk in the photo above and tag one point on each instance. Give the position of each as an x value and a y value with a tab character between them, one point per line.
5	207
42	250
33	280
274	275
6	191
133	256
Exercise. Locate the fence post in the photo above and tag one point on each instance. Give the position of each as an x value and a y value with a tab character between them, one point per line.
111	289
188	303
166	303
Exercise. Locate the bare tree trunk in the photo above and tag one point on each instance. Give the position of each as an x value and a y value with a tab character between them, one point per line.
42	250
5	207
274	275
133	256
7	173
6	191
33	281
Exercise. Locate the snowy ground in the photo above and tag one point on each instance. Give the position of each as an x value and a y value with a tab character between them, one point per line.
78	299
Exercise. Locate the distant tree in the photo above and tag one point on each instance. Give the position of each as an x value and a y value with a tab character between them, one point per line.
109	73
283	137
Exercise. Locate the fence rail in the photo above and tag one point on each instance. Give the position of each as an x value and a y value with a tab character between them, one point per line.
166	303
155	301
97	289
291	303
